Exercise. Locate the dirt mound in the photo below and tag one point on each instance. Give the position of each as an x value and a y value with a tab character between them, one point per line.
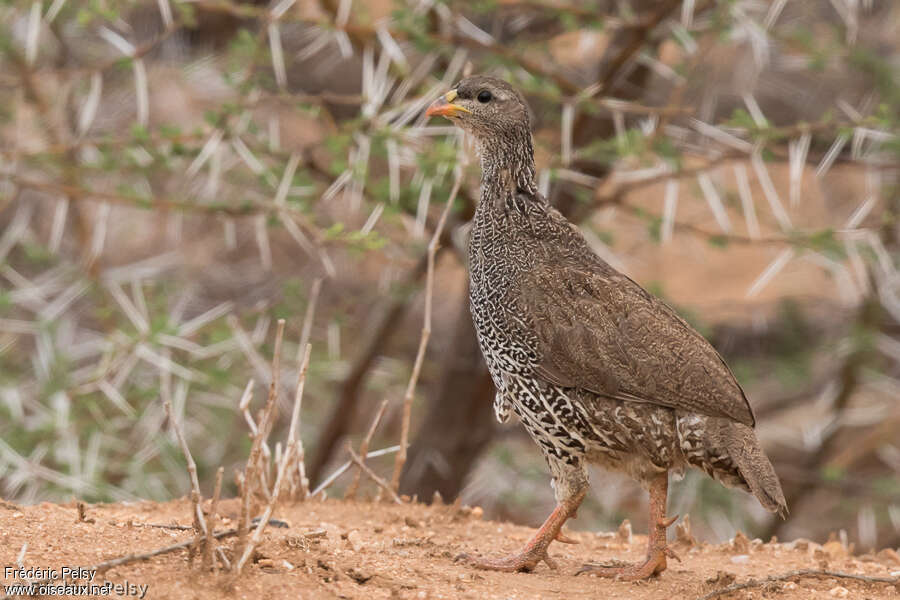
339	549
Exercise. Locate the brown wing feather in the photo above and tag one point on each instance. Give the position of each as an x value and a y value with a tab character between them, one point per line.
600	331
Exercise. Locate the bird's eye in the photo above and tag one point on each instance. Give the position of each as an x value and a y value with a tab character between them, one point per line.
484	96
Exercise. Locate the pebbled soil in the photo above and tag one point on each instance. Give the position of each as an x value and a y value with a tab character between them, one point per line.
366	550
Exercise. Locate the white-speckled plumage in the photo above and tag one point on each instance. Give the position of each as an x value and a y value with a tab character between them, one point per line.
597	369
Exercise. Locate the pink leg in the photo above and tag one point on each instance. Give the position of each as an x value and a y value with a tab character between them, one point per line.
657	550
535	550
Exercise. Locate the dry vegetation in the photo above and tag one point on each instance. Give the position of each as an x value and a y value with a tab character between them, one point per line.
345	549
231	240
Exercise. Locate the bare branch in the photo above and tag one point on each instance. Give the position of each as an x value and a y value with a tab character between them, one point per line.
373	476
426	333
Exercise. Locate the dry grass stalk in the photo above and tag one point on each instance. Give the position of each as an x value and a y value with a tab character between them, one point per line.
128	558
267	514
106	565
82	513
292	454
295	442
244	404
326	483
423	340
310	312
364	448
199	521
287	458
209	560
384	485
303	354
252	471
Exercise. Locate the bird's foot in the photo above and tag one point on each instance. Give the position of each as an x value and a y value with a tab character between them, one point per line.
535	551
562	538
654	564
524	561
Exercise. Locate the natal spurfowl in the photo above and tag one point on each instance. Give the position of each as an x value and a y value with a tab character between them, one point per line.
597	369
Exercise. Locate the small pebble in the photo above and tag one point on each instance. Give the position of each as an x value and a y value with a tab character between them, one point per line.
834	549
355	540
839	592
740	559
625	534
789	586
740	543
799	544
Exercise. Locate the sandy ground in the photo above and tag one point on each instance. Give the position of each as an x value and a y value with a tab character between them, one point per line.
337	549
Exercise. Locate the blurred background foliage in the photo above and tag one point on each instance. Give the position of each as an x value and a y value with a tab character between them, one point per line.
175	175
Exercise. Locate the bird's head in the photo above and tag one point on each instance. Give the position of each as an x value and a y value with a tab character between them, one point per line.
488	108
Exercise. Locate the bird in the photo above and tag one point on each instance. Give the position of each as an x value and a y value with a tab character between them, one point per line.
598	370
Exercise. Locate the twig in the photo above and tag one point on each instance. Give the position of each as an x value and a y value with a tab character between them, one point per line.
174	526
199	521
326	483
209	560
223	559
798	573
426	333
310	313
372	475
380	333
76	192
303	360
295	441
251	470
82	513
287	459
267	514
364	447
130	558
639	38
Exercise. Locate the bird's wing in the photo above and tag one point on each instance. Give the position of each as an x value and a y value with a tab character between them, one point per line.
600	331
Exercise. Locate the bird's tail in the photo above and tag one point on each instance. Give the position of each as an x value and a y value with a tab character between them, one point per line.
730	452
755	468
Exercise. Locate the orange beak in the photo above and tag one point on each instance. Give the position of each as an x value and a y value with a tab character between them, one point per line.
444	107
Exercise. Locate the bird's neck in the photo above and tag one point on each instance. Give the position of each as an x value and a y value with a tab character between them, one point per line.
507	167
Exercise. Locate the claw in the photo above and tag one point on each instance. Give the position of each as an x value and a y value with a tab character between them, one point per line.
535	551
666	523
671	553
563	538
